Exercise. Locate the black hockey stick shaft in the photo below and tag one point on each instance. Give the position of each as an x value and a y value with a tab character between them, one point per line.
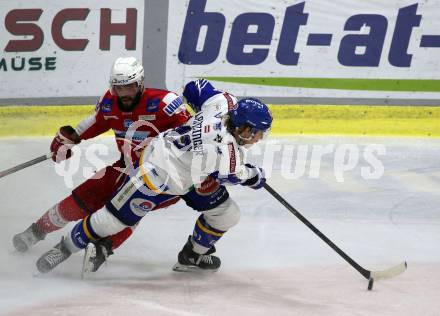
24	165
365	273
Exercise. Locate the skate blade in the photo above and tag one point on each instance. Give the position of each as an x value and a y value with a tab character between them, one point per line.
186	268
37	274
15	252
87	267
40	275
20	246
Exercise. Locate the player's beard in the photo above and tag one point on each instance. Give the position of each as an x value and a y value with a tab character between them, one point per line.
127	104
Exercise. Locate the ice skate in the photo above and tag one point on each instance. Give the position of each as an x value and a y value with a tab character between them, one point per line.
53	257
188	260
23	241
96	253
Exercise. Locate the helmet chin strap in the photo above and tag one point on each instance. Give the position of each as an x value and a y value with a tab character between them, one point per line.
242	139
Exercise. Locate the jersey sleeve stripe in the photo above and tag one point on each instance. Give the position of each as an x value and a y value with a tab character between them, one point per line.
85	124
170	97
232	158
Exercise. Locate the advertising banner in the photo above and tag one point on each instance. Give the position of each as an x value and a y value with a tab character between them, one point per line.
314	48
283	51
64	48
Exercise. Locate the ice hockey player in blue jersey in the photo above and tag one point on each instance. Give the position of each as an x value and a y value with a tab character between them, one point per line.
194	161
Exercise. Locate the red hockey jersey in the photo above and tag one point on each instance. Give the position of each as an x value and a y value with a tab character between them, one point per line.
157	111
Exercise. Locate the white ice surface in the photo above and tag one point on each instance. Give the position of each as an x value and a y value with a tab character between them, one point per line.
271	262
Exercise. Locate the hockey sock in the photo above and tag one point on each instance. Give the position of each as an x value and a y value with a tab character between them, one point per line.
82	234
204	236
59	215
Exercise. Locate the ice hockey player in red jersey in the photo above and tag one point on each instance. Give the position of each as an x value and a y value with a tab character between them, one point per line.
134	113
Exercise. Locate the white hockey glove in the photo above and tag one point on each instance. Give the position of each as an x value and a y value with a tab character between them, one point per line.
256	178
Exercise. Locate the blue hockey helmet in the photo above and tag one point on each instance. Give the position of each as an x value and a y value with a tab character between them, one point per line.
253	113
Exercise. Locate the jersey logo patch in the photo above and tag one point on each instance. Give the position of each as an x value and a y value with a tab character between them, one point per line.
151	117
218	138
153	105
173	106
127	123
106	105
140	206
232	160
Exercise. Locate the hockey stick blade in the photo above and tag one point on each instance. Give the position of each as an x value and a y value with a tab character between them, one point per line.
390	272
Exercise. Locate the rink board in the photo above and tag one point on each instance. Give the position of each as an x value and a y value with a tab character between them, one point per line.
288	119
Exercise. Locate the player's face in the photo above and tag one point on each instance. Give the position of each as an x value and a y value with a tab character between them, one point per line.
127	93
249	139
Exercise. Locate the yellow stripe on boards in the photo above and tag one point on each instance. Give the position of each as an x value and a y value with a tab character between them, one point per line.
420	121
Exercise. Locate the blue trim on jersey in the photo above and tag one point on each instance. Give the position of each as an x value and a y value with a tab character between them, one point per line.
198	91
229	178
173	106
204	202
137	206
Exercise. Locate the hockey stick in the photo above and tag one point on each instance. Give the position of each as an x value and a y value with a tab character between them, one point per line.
369	275
26	164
